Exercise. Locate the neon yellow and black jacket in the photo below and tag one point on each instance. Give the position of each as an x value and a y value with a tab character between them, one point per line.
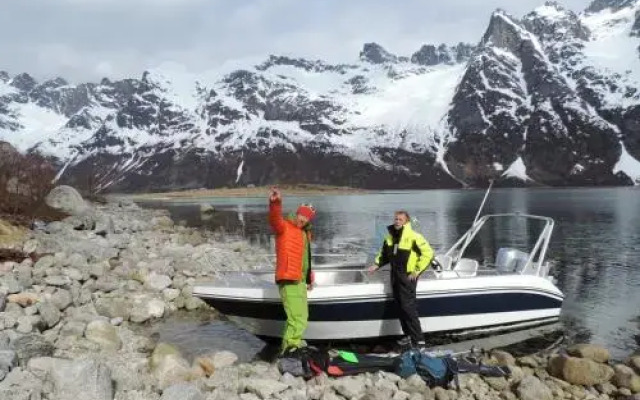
405	248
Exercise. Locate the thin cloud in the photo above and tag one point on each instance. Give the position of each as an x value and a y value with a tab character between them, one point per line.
89	39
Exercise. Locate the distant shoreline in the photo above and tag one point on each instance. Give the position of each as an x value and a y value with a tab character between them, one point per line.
258	191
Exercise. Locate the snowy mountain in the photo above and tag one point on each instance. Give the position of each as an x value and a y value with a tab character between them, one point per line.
552	98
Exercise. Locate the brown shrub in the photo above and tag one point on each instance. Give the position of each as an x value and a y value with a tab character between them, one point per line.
25	181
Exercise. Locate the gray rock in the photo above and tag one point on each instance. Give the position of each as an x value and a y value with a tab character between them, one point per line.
31	310
49	313
400	395
73	328
413	384
170	294
11	284
350	387
24	275
626	377
20	385
227	380
162	222
3	301
76	260
294	394
531	388
265	388
145	307
27	323
31	345
81	379
193	303
30	246
58	280
157	282
98	270
75	274
182	391
104	225
45	262
4	340
66	199
107	284
104	334
61	298
223	359
113	307
8	359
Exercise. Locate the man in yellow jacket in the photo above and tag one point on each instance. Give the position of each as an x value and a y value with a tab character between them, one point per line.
409	254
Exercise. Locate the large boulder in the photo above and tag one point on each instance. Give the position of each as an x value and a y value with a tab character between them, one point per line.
168	366
66	199
104	334
590	351
30	346
579	371
625	377
85	379
531	388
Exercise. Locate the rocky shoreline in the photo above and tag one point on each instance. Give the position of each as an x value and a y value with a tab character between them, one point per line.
71	310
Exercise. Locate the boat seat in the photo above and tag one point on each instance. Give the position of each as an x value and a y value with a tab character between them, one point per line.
445	261
510	260
466	267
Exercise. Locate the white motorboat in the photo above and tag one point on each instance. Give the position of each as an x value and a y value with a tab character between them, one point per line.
513	289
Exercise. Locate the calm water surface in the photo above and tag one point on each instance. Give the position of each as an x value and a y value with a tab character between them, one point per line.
595	247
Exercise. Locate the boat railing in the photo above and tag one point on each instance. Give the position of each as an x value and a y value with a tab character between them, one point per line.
535	263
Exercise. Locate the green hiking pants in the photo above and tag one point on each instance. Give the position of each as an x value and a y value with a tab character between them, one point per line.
294	300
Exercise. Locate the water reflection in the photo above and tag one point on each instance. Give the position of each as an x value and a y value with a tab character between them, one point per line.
593	247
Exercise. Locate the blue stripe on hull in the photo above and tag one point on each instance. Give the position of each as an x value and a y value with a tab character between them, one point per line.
381	309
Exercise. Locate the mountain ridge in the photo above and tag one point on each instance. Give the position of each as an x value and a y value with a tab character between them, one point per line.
534	102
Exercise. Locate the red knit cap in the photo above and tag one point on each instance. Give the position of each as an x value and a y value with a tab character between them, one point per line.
306	211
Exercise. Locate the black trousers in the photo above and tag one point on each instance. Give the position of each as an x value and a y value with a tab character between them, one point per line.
404	294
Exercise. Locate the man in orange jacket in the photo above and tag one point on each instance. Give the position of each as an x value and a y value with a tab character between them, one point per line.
293	266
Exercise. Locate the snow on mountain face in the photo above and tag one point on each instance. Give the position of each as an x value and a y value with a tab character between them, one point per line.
537	101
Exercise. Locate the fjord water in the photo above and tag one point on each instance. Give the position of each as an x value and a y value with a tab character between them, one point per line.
594	250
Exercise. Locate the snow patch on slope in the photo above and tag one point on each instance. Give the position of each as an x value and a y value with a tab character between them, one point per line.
550	12
415	104
629	165
612	49
517	170
38	124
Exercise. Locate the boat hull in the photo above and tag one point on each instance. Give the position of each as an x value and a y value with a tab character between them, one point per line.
370	311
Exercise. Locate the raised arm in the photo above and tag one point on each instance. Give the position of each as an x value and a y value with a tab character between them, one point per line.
275	211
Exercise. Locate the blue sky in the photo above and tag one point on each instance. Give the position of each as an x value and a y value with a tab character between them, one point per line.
89	39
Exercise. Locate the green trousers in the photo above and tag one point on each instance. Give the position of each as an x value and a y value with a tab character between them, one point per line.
294	300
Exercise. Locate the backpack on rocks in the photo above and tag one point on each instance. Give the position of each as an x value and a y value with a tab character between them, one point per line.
435	371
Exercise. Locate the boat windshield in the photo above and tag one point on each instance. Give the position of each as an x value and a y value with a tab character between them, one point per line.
503	243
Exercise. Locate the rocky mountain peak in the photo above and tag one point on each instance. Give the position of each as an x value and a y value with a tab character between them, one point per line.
23	82
431	55
4	76
376	54
552	22
613	5
504	32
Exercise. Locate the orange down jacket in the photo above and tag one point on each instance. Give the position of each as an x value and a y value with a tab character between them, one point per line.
289	246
